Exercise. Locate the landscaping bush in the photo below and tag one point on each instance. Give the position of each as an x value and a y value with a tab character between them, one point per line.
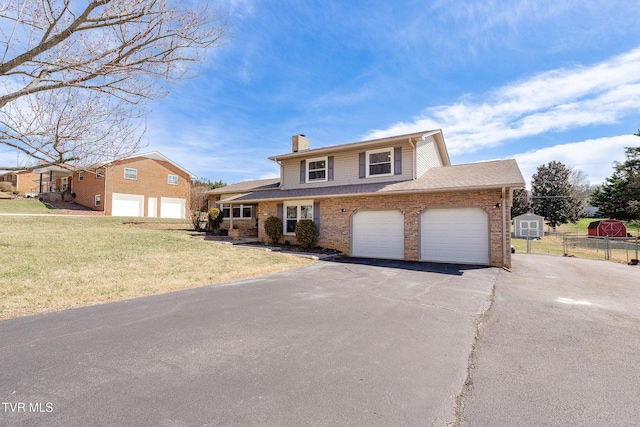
273	228
215	218
307	233
7	187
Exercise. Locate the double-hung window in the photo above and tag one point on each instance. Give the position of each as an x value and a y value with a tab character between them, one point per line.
172	179
296	212
97	200
317	169
80	176
130	173
380	162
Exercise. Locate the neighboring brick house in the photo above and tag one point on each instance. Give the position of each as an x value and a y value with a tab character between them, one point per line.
24	181
395	198
143	185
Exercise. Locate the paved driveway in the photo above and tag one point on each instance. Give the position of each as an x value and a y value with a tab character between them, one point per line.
336	343
559	347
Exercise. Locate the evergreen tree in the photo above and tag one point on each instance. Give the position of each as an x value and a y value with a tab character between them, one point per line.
521	204
553	195
619	196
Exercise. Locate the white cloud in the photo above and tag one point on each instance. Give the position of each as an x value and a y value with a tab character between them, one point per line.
594	157
558	100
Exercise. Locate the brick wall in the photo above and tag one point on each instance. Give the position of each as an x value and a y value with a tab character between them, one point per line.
87	189
152	181
336	214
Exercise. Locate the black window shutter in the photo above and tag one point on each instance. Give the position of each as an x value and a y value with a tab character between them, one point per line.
316	215
303	171
330	168
397	161
363	165
279	210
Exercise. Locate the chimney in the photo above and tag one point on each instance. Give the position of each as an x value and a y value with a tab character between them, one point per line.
299	143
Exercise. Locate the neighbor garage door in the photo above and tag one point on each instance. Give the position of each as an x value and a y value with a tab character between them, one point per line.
455	235
172	208
127	205
378	234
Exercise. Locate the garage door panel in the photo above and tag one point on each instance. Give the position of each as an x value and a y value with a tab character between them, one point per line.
378	234
455	235
172	207
127	205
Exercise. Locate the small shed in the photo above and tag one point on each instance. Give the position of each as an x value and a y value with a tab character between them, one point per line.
607	227
528	225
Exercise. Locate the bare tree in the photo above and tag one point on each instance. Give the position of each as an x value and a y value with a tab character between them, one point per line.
582	188
76	75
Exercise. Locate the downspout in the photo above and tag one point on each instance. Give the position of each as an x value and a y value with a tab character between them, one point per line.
414	159
504	234
106	199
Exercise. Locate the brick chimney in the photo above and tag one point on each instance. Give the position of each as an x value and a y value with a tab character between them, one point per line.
299	143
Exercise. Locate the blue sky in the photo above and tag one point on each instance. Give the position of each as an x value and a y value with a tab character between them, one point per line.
534	80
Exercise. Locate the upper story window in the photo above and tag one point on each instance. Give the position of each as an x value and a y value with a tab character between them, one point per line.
130	173
99	173
80	176
317	169
380	162
172	179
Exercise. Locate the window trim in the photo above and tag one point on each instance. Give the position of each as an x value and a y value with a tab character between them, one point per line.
326	169
130	169
241	207
389	150
97	200
169	179
298	204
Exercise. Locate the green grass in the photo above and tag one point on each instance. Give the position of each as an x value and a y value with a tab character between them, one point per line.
52	263
24	206
582	226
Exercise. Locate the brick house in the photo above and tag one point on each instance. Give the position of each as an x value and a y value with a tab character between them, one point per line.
24	181
143	185
395	198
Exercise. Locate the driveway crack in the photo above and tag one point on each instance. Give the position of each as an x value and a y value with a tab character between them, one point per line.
467	386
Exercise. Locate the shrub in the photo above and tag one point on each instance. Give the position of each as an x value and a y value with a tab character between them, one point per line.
7	187
307	233
215	218
273	228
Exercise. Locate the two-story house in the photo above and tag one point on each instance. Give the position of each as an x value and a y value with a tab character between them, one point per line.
143	185
394	198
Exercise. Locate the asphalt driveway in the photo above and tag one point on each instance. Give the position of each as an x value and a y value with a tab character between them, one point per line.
336	343
559	347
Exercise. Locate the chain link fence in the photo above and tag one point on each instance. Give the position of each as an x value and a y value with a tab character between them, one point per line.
623	249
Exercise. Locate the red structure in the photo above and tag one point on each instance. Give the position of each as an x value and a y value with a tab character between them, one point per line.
608	227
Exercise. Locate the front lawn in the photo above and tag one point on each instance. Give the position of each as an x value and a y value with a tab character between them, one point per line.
53	263
23	206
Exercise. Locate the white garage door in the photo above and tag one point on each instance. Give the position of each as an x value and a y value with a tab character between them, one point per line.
172	208
378	234
127	205
455	235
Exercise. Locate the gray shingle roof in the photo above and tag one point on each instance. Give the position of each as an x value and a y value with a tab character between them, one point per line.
472	176
247	186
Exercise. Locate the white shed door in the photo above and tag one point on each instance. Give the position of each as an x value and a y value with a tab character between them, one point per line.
455	235
127	205
378	234
529	229
172	208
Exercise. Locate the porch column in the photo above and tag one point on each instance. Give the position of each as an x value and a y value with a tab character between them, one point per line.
50	179
230	217
40	183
